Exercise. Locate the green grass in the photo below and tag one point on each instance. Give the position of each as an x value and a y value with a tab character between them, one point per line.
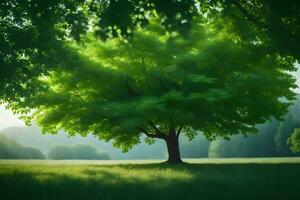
244	179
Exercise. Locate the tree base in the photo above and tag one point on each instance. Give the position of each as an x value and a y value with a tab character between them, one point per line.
172	162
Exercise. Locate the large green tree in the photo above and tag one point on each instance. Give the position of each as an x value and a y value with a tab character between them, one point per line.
162	84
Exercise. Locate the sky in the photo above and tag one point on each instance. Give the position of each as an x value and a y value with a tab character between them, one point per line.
8	119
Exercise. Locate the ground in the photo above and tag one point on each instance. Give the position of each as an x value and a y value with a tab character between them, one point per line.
275	178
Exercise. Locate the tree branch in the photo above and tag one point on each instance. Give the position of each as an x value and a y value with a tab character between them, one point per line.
149	134
146	132
158	132
154	127
251	17
179	130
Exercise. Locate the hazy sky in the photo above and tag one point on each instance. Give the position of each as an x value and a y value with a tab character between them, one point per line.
8	119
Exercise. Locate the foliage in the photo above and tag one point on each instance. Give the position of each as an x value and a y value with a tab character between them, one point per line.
120	18
274	23
286	129
79	152
294	140
270	140
259	145
31	33
10	149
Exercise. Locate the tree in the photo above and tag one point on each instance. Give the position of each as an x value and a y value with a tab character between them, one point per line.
258	145
162	84
79	152
275	23
286	136
283	133
10	149
274	138
294	140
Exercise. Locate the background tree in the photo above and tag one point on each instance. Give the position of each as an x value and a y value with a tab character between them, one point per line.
294	140
10	149
78	152
286	135
274	138
162	84
259	145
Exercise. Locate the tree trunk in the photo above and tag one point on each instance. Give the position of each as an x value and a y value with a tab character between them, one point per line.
173	148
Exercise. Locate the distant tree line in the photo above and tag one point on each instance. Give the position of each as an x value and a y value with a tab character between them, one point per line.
275	138
79	151
10	149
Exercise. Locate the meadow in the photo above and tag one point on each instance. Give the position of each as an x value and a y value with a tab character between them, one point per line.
271	178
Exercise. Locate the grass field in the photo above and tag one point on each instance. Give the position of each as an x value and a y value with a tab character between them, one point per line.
209	179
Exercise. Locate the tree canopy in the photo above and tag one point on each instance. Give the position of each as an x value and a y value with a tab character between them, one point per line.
162	83
32	31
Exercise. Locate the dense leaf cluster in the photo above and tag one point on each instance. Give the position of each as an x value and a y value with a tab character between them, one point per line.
30	31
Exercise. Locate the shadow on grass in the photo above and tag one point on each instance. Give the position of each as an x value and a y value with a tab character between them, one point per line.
151	181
